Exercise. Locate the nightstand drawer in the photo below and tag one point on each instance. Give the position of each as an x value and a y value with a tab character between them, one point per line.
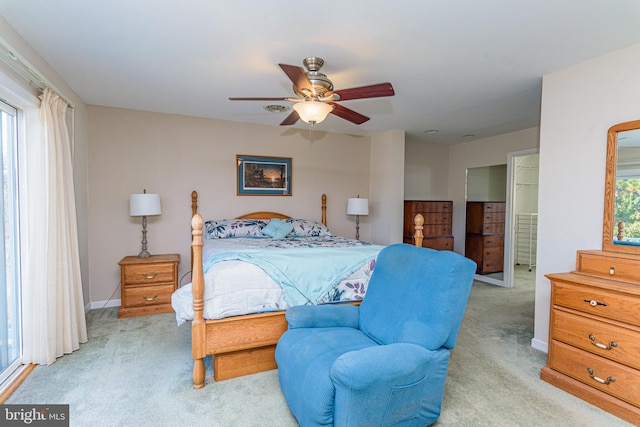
148	273
136	296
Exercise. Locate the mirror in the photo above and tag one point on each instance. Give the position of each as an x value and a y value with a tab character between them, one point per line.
486	184
621	225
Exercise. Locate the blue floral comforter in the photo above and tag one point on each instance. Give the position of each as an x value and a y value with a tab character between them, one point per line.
306	270
237	281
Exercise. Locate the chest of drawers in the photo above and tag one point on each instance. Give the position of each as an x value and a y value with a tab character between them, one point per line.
437	223
147	284
484	238
594	332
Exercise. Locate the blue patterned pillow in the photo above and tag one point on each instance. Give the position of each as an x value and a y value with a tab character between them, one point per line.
307	228
225	228
277	229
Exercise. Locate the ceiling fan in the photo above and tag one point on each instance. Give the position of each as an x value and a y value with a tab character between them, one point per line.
316	97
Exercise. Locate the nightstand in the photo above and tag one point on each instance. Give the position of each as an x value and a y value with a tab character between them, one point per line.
147	284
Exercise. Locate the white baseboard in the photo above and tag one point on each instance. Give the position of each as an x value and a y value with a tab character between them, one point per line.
104	304
540	345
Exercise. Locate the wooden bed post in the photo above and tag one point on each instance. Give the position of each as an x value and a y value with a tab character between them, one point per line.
194	203
324	209
418	221
198	331
194	210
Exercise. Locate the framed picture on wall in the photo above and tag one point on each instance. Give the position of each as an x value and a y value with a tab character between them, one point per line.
263	175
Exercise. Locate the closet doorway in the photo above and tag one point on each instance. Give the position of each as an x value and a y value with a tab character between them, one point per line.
522	217
516	184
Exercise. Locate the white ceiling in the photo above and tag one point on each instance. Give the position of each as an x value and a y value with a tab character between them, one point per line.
463	67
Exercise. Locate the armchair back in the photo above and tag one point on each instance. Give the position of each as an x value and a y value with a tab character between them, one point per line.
417	295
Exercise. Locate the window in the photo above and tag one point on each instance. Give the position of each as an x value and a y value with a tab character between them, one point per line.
10	331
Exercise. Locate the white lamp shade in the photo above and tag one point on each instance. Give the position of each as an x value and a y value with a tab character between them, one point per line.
312	111
357	206
144	204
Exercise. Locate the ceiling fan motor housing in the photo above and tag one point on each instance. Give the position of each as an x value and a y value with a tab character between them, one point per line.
320	83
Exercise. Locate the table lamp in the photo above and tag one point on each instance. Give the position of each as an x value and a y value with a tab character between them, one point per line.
357	206
144	205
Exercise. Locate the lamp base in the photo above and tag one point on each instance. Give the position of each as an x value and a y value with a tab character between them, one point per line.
144	254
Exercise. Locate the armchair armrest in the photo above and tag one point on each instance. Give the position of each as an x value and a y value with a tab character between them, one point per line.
323	316
394	364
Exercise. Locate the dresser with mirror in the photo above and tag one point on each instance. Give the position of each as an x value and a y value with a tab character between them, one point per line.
594	327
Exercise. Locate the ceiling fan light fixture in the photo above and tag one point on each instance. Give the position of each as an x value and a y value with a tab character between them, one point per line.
312	111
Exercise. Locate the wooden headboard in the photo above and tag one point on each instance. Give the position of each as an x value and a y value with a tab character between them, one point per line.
261	214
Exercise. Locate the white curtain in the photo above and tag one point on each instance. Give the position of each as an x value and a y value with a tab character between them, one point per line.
53	307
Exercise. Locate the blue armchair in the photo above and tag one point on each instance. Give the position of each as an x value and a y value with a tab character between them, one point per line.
383	362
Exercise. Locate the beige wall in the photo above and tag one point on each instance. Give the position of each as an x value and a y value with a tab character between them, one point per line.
579	105
483	152
172	155
387	184
426	171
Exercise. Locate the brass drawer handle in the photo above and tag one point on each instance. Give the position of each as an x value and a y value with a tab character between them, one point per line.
594	303
144	297
149	276
600	345
600	380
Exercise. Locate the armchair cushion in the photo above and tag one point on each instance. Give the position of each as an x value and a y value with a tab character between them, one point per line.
323	316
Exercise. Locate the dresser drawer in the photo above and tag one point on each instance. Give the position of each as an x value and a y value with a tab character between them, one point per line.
485	217
623	382
439	243
148	273
493	242
428	206
593	335
610	265
439	206
491	207
437	218
136	296
491	266
436	229
597	301
493	254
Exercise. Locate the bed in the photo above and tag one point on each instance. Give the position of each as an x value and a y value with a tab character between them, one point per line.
244	343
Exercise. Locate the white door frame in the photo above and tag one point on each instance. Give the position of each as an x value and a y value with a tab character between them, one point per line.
510	216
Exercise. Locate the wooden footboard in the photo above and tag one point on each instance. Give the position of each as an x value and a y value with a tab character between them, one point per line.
239	345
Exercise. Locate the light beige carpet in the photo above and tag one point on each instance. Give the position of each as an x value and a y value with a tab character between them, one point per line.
137	372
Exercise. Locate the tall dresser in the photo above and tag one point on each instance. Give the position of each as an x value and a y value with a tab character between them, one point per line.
484	238
594	332
437	223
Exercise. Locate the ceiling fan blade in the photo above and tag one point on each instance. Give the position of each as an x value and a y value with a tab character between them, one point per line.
372	91
259	99
297	76
290	119
348	114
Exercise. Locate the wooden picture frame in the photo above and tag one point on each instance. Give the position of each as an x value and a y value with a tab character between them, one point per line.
263	175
